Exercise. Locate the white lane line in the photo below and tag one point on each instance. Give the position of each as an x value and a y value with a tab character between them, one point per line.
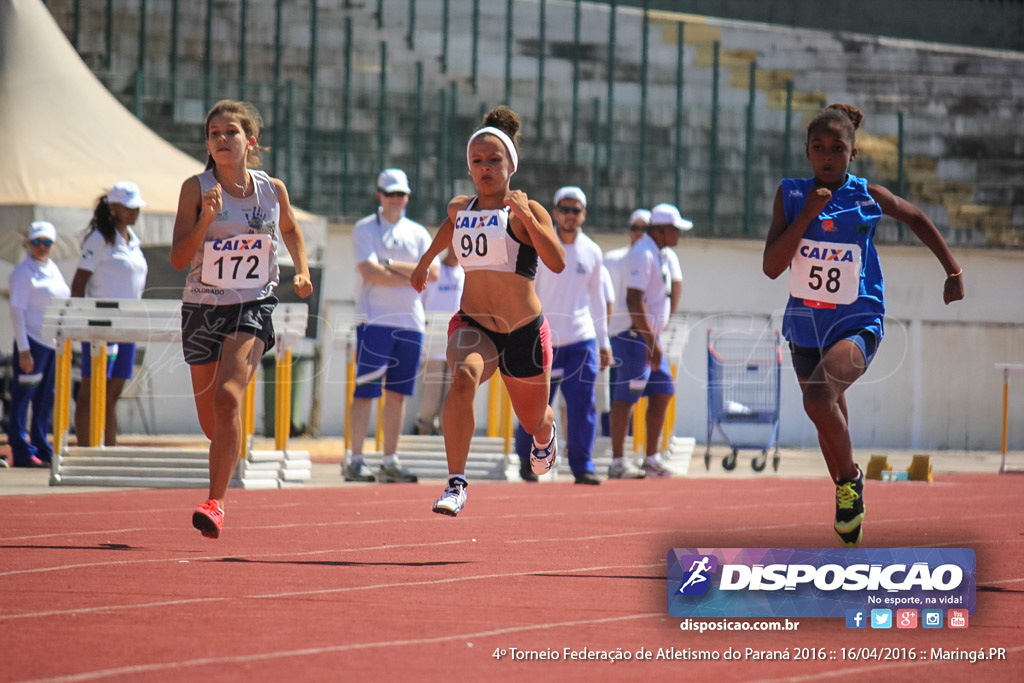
802	524
208	558
450	580
315	651
323	591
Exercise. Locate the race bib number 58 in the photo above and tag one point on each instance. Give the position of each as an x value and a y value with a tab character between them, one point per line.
240	262
825	272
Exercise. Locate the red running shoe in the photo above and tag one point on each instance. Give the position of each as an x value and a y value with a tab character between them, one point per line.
209	518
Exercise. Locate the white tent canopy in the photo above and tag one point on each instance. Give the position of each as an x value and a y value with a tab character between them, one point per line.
64	140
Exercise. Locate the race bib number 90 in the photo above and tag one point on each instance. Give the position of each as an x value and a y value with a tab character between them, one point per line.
480	237
825	272
240	262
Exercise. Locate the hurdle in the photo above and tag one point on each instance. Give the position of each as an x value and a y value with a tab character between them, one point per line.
103	321
425	456
1007	370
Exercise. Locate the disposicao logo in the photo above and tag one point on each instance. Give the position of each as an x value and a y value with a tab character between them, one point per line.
697	579
817	582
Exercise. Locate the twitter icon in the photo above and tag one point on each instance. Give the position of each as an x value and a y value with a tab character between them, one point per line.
881	618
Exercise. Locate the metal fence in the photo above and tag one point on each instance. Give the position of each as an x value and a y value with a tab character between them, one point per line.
600	110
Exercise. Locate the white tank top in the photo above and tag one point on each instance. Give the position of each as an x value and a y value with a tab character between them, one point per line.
237	261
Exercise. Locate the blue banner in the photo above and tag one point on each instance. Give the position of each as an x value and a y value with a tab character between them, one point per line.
817	582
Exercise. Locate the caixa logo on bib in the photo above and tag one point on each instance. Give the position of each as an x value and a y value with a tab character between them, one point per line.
816	582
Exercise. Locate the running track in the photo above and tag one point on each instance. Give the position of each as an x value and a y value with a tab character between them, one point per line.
364	583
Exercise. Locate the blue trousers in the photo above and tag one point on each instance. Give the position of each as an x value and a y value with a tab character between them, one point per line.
574	370
36	390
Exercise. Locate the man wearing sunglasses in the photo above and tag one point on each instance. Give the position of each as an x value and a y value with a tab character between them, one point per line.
387	247
574	306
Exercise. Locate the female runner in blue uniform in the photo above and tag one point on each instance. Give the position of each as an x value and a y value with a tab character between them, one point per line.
823	231
498	236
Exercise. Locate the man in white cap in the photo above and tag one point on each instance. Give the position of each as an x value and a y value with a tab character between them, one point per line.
641	367
389	339
574	306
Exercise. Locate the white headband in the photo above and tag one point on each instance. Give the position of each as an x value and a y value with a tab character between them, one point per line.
505	140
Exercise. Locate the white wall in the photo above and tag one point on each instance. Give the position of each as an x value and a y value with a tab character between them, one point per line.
933	383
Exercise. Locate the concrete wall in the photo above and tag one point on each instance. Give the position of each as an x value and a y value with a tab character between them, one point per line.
933	383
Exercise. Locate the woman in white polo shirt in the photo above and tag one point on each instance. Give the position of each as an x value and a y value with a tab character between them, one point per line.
112	266
35	282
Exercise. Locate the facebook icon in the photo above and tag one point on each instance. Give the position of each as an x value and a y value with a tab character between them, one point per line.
856	618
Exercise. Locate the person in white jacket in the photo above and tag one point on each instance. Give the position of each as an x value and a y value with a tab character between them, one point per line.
575	306
34	283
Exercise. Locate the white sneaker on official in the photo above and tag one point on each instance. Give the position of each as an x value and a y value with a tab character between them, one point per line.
356	471
624	468
654	467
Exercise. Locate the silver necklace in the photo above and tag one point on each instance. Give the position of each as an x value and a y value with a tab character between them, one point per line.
244	186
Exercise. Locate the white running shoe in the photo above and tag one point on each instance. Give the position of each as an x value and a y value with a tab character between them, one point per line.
453	499
624	468
543	459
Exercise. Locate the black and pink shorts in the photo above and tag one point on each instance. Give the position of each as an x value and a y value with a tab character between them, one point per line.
523	352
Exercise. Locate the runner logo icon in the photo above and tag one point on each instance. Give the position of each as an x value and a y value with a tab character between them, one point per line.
695	580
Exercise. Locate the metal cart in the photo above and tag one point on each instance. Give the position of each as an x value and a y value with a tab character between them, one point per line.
744	370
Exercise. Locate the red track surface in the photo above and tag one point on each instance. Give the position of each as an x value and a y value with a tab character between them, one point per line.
364	583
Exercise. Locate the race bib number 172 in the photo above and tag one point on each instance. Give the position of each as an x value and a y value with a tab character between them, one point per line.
240	262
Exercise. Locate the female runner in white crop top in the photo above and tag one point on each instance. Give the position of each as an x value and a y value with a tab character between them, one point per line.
496	298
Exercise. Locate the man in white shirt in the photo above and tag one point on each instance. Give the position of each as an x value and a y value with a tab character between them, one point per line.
641	368
387	247
574	306
619	321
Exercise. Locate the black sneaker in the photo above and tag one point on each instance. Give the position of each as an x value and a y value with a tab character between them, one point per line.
850	510
588	478
526	474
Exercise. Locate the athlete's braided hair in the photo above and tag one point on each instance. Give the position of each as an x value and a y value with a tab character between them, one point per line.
844	117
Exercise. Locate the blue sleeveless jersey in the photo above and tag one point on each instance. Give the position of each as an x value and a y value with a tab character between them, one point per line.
849	218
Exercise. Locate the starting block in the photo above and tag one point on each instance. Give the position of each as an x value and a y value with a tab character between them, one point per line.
876	465
920	469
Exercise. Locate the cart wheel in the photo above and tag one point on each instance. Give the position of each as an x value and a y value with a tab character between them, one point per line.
759	462
775	463
729	461
707	460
